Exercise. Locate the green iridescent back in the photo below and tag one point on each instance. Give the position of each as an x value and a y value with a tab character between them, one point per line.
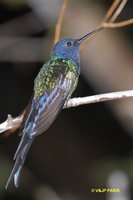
49	75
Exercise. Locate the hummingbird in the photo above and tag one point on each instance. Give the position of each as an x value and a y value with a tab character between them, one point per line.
53	87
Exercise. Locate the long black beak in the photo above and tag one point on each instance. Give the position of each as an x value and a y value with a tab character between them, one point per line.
80	40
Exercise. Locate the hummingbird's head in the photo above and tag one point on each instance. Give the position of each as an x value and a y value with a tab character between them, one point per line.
68	48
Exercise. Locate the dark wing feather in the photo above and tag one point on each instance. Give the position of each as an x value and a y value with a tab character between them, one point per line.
49	106
55	104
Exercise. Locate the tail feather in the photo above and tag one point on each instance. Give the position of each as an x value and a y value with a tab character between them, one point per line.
20	159
25	139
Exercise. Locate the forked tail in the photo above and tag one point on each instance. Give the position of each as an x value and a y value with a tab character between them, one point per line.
20	157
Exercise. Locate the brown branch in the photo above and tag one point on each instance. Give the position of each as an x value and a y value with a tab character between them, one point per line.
118	11
59	24
118	24
110	17
111	10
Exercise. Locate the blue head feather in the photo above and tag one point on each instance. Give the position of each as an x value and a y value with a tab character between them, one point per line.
67	49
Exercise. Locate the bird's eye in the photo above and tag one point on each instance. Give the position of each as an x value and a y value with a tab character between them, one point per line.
69	44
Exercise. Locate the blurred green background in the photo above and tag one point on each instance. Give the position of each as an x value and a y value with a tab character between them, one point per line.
89	146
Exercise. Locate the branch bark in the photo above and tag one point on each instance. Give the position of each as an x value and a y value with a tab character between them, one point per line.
11	123
98	98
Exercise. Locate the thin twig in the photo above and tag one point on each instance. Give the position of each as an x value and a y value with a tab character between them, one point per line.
111	10
98	98
105	20
11	123
118	24
59	24
14	123
118	11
